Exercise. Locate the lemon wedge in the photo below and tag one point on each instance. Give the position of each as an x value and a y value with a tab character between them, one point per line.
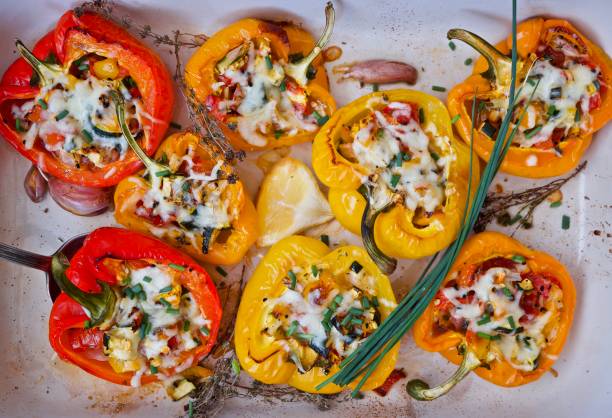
289	202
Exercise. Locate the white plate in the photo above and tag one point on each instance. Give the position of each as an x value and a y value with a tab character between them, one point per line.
34	383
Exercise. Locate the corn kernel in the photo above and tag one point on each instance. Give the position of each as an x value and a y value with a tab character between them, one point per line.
106	69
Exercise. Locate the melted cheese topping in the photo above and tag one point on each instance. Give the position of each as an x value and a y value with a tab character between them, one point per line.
264	100
195	202
154	325
79	105
319	326
495	311
402	160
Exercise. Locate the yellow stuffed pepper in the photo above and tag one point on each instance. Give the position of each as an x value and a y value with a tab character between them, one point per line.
305	309
564	91
396	174
264	82
193	201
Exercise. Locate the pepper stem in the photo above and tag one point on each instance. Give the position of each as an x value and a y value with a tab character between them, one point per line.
99	306
299	70
45	71
386	264
420	390
152	165
500	66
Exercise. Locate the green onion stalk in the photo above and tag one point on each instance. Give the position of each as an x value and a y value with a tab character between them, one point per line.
363	361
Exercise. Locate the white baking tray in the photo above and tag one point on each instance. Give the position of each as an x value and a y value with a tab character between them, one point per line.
35	383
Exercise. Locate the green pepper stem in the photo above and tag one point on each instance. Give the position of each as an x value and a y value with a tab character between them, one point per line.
386	264
500	66
420	390
45	71
298	71
100	306
152	165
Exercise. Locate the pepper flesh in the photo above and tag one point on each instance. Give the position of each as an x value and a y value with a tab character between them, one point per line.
265	359
68	334
398	232
243	226
285	40
529	162
477	249
73	37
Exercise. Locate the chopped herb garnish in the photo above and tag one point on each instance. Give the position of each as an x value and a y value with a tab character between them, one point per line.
438	88
186	325
87	136
421	115
356	267
42	104
147	279
137	288
153	369
511	322
507	292
304	336
455	119
435	156
51	59
356	321
399	159
144	326
283	86
577	115
394	180
235	366
346	320
531	81
128	292
61	115
175	125
314	270
484	320
162	173
87	324
165	303
531	132
325	239
269	62
517	258
374	87
18	125
374	301
278	133
565	222
173	311
365	302
452	45
555	204
327	314
292	328
356	311
293	279
204	330
320	119
596	84
552	110
190	407
177	267
185	186
165	289
338	299
221	271
487	336
468	61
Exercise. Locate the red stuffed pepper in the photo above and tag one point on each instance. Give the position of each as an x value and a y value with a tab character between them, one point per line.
55	107
133	310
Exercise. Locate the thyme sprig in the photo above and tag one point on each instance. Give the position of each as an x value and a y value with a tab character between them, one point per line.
496	205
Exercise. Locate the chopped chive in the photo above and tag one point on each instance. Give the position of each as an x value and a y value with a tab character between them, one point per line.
406	156
235	366
128	292
283	86
552	110
87	136
292	328
293	279
43	104
204	330
487	336
565	222
338	299
221	271
346	320
577	115
356	311
374	301
597	84
190	407
278	133
165	289
484	320
511	322
531	81
555	204
421	115
517	258
325	239
147	279
314	270
185	186
356	267
18	125
269	62
326	326
530	133
455	119
356	321
452	45
321	120
186	325
143	326
468	61
374	87
438	88
51	59
61	115
173	311
435	156
162	173
327	314
380	133
399	159
83	66
175	125
153	369
507	292
137	288
165	303
365	302
177	267
304	336
394	180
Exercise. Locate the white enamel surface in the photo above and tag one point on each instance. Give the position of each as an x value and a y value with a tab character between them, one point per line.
35	383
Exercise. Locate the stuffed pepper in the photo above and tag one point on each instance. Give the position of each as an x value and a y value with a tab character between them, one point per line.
196	204
393	153
305	309
55	106
563	94
504	311
133	310
264	82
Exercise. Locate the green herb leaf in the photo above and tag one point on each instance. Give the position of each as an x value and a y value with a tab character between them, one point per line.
186	325
484	320
293	279
269	65
517	258
531	132
374	87
555	204
486	336
153	369
292	328
455	119
511	322
61	115
468	61
565	222
43	104
235	366
421	115
204	330
452	45
315	270
221	271
438	88
87	136
165	289
147	279
395	178
177	267
162	173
